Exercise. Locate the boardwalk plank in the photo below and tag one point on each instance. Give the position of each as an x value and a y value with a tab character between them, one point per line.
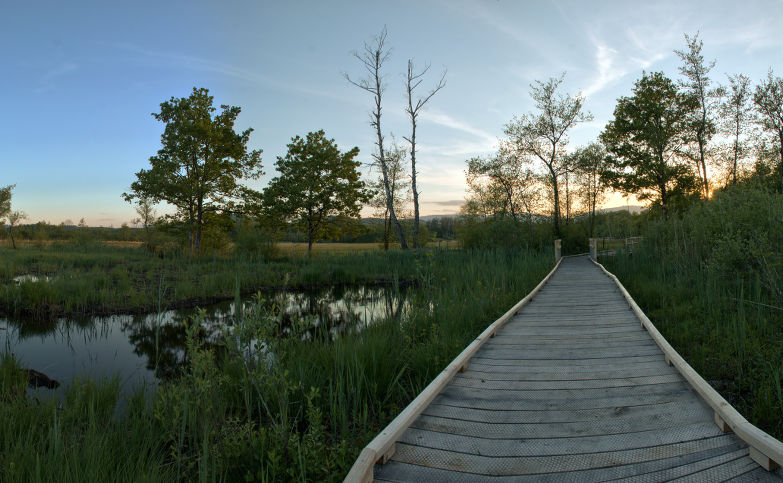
572	388
519	447
529	465
601	427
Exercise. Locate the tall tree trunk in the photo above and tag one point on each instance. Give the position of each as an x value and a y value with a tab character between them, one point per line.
199	223
413	186
556	202
780	165
11	233
664	201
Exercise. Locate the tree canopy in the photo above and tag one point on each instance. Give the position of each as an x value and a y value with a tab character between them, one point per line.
644	138
317	183
543	134
200	163
769	102
5	201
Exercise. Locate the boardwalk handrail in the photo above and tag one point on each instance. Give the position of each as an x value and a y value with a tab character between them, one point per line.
764	449
381	448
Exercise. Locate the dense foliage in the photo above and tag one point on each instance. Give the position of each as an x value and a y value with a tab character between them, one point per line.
711	279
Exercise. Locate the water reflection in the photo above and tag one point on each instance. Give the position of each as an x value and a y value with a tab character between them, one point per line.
150	348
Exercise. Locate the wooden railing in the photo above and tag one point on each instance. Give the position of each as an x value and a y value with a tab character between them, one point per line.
602	247
764	449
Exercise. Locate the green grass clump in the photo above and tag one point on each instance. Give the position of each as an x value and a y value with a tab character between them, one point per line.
79	440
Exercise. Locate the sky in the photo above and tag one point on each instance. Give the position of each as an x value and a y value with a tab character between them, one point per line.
79	80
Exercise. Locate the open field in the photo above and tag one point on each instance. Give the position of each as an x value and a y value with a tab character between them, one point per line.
104	279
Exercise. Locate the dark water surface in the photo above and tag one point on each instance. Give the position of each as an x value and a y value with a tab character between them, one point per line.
145	349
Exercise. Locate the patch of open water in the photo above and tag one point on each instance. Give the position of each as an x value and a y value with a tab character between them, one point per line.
145	349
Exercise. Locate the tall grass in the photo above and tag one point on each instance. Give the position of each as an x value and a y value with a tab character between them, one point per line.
267	408
79	440
711	282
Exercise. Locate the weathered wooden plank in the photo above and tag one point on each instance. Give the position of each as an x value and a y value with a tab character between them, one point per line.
758	474
650	411
564	354
530	465
520	344
556	400
572	352
561	373
601	427
690	469
586	364
397	471
579	384
540	331
589	444
722	472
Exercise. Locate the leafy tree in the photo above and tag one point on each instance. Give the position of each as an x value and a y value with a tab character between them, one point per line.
147	217
543	134
501	185
644	138
735	111
5	201
399	190
201	161
701	121
769	102
372	58
14	218
413	109
317	182
589	165
5	205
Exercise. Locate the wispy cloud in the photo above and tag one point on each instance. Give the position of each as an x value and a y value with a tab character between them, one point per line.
448	121
229	70
444	203
607	69
48	80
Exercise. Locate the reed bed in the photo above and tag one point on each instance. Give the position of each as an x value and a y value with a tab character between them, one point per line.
711	282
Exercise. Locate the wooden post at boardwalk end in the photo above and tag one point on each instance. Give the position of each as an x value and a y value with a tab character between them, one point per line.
558	251
594	248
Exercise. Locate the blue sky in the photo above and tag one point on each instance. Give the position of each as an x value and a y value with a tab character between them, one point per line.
80	79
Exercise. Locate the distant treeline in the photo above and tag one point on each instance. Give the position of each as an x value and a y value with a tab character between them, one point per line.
368	230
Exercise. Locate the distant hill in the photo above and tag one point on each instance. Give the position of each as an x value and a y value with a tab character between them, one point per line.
633	209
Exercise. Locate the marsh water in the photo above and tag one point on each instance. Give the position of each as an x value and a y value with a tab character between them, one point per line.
145	349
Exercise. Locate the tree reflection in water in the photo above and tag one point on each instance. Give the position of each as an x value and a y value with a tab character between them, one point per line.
321	315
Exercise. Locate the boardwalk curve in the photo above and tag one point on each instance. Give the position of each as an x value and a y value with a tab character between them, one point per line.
569	389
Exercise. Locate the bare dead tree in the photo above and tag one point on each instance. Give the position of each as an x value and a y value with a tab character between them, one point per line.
372	58
414	79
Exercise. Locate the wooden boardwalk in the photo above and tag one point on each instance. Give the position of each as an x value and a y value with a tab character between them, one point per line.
570	389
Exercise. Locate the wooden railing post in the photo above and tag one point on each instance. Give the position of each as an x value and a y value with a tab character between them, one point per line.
558	251
594	248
